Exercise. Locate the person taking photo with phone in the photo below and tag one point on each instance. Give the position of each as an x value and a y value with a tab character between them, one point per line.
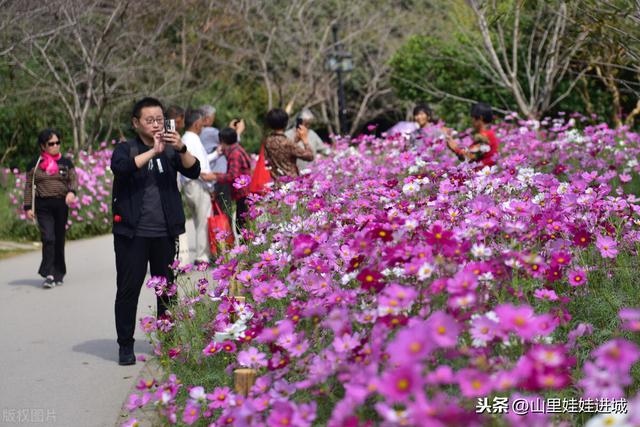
281	152
147	213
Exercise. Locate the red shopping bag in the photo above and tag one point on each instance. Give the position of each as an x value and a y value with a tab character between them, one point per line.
218	222
261	175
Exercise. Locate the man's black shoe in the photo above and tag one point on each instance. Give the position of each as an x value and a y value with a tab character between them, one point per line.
127	357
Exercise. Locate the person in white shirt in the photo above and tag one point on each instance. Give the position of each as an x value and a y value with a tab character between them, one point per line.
316	143
196	191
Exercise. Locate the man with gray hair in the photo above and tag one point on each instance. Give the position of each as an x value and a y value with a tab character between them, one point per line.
316	143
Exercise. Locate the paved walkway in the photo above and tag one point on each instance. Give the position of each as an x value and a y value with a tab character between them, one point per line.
58	357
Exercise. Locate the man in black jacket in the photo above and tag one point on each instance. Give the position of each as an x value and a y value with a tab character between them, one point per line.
147	212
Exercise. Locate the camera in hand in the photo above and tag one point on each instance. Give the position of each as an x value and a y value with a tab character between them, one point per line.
298	122
169	125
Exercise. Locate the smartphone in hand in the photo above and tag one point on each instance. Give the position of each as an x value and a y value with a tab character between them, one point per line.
169	125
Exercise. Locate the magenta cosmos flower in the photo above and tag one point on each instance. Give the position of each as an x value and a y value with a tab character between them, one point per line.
398	384
607	246
474	383
303	245
241	181
618	354
518	319
252	358
577	277
443	328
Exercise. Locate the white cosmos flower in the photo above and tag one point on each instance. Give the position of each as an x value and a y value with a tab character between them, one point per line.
425	271
410	224
479	250
410	188
608	420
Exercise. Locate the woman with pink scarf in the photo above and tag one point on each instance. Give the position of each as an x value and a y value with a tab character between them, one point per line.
49	190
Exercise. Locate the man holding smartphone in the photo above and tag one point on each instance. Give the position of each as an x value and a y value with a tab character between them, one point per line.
147	212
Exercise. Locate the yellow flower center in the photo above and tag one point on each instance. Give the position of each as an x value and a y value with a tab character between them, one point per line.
438	236
369	278
476	384
402	384
415	347
519	320
307	251
442	330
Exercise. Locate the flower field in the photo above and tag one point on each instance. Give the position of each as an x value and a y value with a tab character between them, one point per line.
395	286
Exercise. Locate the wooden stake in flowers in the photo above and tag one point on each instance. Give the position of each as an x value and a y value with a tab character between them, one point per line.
243	378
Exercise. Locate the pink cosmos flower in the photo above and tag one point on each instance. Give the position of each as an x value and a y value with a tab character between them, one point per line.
219	398
281	415
577	277
303	245
398	384
631	319
241	181
252	358
474	383
410	345
135	401
229	346
191	413
546	294
599	382
463	282
483	330
443	329
346	343
397	297
212	348
518	319
618	354
607	246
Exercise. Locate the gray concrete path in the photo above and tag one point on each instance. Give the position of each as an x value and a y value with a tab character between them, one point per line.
58	353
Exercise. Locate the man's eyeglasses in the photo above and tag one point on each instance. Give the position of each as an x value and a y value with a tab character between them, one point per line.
150	121
52	143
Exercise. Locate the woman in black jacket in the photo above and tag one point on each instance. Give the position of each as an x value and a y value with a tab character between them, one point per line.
49	190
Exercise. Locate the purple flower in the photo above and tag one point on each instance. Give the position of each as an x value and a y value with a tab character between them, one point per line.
398	384
443	329
252	358
219	398
191	412
631	319
618	354
241	181
607	246
577	277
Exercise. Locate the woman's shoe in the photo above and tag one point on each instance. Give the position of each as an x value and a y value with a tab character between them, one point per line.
49	283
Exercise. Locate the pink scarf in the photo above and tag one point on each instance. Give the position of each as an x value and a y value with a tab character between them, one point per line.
49	163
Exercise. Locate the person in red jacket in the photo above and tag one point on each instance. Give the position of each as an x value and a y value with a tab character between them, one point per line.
484	149
238	164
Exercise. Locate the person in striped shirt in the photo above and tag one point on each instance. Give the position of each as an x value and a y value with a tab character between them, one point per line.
49	191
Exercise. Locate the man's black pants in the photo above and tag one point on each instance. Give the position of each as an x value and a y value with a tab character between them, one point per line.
52	214
132	257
